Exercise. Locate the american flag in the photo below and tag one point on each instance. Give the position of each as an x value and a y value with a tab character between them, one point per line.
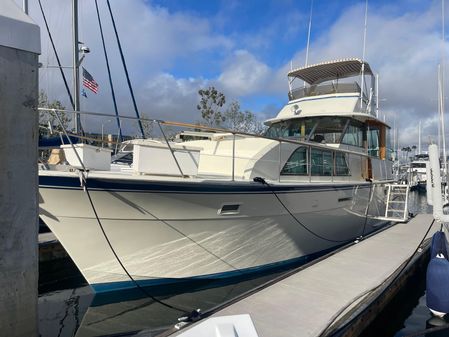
89	82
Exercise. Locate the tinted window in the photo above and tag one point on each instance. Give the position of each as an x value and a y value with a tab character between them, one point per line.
297	163
321	162
341	165
353	134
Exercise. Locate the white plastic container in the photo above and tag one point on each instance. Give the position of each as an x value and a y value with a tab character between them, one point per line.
93	157
154	157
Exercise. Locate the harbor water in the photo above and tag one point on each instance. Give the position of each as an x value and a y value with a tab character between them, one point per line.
68	307
407	314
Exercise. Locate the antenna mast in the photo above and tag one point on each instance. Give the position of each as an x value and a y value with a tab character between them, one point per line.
308	37
308	34
443	135
363	55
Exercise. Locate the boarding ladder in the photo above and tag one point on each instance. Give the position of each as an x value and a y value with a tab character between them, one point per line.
396	208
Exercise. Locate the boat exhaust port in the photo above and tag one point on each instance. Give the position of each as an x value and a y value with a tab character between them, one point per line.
233	209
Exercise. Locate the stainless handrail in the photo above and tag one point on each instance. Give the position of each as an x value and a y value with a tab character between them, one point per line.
207	128
171	149
307	144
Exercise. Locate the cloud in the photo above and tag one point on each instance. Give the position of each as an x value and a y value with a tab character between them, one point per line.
403	48
171	54
169	98
244	74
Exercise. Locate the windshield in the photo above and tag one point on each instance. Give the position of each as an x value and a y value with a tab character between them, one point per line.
330	130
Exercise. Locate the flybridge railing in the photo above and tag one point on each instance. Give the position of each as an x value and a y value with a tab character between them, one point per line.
324	89
309	146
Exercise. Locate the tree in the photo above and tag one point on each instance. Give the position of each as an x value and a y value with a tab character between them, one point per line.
246	121
48	118
210	106
407	149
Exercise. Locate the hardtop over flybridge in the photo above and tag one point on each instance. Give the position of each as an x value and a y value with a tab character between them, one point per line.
227	204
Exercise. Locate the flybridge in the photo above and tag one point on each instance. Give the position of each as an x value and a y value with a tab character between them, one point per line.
342	79
333	70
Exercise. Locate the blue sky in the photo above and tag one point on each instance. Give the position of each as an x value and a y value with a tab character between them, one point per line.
244	48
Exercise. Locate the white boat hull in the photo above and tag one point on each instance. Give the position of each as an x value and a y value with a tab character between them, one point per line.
161	233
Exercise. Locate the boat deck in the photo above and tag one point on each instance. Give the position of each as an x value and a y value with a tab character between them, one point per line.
309	302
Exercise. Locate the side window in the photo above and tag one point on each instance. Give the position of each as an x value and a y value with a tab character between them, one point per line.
321	162
297	163
341	165
353	135
373	141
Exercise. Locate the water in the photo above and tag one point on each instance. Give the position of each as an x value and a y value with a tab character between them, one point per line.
407	314
67	306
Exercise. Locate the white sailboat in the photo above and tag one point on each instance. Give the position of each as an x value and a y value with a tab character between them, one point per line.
418	172
230	204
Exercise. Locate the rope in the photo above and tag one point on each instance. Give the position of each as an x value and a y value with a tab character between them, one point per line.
109	74
262	180
121	263
190	315
126	70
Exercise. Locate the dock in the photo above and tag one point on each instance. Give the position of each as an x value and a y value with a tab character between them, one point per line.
337	296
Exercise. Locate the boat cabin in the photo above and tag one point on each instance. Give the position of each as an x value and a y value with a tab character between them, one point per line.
329	107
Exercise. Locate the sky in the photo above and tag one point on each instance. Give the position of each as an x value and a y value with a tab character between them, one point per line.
173	48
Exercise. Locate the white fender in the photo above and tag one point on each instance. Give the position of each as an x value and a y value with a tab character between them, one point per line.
435	183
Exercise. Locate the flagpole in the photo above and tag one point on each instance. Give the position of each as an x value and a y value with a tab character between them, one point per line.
76	72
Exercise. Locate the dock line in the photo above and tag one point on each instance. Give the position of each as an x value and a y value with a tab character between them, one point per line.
189	315
262	181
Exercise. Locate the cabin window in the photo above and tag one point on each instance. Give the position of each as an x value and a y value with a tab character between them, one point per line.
373	141
278	130
321	130
341	165
391	155
328	130
354	134
296	128
321	162
297	163
126	159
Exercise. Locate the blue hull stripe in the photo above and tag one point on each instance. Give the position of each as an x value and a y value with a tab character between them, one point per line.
235	274
116	185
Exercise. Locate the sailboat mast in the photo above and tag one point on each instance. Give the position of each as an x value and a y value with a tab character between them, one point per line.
76	72
419	137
